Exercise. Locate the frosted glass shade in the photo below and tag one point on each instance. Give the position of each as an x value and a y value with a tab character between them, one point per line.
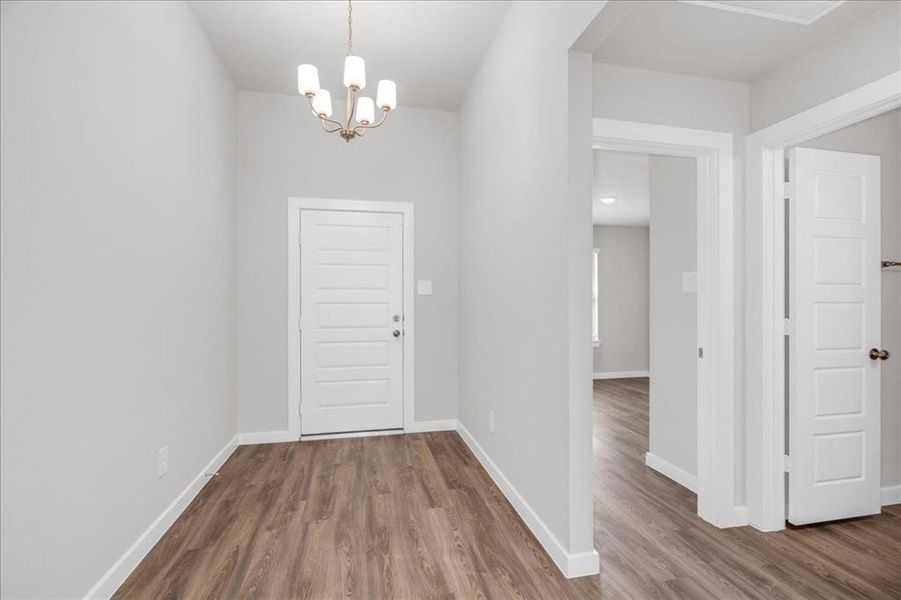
354	71
365	110
386	97
307	79
322	103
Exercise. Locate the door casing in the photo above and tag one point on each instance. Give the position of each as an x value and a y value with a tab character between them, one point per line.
717	472
294	206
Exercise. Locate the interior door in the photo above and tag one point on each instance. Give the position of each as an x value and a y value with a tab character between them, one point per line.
351	321
834	402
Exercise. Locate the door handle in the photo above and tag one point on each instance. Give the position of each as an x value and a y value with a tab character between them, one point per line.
396	333
877	354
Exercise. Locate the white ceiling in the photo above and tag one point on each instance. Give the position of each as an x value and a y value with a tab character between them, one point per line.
703	40
431	49
625	175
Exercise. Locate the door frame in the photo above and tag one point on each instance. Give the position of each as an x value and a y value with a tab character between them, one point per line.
716	297
295	205
765	283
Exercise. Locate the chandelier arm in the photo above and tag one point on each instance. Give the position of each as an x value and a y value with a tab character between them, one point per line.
322	119
327	130
351	106
379	124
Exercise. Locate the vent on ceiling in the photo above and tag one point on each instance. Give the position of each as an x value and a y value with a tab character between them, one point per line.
802	12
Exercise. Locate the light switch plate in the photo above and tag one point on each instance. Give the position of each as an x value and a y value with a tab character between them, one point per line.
424	287
690	282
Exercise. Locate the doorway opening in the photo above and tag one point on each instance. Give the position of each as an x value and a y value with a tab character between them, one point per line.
718	471
646	349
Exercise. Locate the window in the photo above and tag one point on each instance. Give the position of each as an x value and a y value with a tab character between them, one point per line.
594	299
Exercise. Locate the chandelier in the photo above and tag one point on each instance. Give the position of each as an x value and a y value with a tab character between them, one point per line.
359	108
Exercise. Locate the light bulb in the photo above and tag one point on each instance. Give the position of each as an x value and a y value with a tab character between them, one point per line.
322	103
386	97
307	79
365	110
354	71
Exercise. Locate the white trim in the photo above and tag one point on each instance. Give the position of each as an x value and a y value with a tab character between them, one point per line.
671	471
891	494
122	568
265	437
765	378
423	426
295	205
716	296
571	565
620	374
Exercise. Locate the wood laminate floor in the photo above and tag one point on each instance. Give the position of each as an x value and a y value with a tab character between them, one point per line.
416	516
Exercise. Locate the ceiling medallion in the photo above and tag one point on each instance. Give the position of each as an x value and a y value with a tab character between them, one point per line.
359	109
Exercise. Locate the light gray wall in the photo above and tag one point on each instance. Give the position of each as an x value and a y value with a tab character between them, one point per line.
881	136
523	243
859	54
700	103
282	152
623	279
117	162
673	313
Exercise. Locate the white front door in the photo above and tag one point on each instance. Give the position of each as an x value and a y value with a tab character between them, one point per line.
351	307
834	402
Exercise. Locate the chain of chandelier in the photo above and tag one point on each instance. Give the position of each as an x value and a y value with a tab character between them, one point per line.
360	110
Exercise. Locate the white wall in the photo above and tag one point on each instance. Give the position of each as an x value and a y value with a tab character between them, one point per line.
684	101
118	282
523	243
282	152
881	136
673	392
859	54
623	278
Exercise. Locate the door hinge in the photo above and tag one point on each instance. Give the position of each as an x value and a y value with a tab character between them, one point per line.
786	463
786	326
700	352
299	325
300	409
786	190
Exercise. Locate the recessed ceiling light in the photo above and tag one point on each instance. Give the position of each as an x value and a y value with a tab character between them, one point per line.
607	199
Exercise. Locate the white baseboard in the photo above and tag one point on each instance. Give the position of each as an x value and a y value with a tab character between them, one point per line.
423	426
265	437
891	495
620	374
127	563
668	469
571	565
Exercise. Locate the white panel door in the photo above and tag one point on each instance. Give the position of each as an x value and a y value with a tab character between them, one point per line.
351	307
834	399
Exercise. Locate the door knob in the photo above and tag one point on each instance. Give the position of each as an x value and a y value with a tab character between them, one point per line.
396	333
877	354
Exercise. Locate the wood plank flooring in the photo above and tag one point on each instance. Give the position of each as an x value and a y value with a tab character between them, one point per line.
653	545
416	516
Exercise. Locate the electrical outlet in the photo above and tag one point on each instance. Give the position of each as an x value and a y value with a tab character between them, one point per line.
491	421
162	466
